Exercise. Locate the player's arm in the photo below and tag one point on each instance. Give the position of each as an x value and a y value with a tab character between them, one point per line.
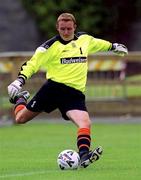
27	70
100	45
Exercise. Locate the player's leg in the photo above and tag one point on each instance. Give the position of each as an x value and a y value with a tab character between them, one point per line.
44	100
83	122
72	106
22	114
80	118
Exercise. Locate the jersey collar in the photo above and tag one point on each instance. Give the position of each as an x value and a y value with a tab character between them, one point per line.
66	42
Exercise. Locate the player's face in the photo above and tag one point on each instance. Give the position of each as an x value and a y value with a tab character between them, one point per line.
66	30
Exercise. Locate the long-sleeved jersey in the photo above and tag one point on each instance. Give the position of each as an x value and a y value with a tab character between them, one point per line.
65	62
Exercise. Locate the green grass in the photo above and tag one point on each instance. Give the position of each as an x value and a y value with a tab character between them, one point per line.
133	91
134	78
29	152
112	91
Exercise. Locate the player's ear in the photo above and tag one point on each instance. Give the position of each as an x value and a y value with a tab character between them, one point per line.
75	26
57	26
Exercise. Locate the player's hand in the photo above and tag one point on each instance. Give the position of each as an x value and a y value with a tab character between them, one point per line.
15	87
119	49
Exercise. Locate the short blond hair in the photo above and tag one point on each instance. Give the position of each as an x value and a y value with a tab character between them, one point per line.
66	17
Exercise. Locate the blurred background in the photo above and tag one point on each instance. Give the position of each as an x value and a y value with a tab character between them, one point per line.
26	23
113	87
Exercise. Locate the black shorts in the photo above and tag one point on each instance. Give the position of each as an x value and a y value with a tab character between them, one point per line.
53	95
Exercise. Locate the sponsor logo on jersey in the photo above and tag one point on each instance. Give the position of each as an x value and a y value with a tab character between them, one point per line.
73	60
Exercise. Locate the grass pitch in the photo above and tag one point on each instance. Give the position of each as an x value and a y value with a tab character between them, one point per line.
29	152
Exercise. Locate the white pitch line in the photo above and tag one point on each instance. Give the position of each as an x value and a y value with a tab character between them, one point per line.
26	174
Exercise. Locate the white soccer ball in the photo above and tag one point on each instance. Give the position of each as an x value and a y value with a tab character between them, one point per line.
68	159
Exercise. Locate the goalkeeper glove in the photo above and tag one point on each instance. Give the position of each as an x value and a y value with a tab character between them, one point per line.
15	87
119	49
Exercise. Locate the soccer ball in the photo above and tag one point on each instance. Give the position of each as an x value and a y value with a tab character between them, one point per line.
68	159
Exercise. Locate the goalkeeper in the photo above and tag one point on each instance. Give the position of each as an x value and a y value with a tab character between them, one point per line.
65	59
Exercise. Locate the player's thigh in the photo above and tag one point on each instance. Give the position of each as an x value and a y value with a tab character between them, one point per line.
25	115
80	118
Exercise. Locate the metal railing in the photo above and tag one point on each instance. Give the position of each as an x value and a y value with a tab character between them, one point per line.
104	81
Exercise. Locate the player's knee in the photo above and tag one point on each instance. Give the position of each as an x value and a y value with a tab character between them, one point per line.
84	123
20	119
88	123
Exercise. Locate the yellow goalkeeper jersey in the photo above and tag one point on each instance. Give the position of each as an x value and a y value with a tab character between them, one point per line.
65	62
